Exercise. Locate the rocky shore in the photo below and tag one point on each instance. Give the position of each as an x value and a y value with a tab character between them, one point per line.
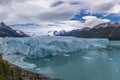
9	71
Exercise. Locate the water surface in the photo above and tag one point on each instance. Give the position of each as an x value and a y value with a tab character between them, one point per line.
86	64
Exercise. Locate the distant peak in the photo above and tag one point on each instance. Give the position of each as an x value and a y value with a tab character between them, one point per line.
3	24
6	31
112	24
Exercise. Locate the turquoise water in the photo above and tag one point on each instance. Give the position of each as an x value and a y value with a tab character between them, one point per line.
86	64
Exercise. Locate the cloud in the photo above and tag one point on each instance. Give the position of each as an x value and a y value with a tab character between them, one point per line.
74	2
57	13
56	16
57	3
5	1
68	25
115	9
101	8
37	10
57	26
91	21
44	11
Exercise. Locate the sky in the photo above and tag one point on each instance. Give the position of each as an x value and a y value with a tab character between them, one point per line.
41	16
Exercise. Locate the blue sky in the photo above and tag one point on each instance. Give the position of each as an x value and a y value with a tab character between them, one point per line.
45	15
113	17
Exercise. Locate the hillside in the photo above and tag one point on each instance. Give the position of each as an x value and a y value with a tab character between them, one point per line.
11	72
6	31
104	30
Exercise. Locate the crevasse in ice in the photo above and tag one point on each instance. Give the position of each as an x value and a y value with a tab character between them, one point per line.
47	45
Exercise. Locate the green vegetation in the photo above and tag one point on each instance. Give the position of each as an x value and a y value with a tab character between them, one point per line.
7	72
11	72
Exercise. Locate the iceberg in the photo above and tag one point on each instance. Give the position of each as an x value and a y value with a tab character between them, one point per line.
41	46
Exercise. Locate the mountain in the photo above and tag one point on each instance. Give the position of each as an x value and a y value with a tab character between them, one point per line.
104	30
6	31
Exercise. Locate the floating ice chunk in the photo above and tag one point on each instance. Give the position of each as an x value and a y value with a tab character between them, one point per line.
37	69
110	59
87	58
46	59
66	55
117	70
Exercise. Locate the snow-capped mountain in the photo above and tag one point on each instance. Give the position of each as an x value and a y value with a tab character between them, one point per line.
104	30
6	31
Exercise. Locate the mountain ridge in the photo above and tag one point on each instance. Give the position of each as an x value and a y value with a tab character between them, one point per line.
104	30
6	31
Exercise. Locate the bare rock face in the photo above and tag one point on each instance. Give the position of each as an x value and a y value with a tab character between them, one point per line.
104	30
6	31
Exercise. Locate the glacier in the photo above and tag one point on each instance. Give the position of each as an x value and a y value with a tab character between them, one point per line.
41	46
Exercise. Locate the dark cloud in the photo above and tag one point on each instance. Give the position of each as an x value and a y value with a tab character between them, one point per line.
57	3
102	7
75	3
5	1
50	16
52	10
106	6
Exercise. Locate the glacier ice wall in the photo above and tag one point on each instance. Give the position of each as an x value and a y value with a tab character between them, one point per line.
47	45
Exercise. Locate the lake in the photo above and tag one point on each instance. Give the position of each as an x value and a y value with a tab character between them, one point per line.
85	64
67	58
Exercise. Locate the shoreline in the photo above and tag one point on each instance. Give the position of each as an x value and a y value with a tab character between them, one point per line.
9	71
